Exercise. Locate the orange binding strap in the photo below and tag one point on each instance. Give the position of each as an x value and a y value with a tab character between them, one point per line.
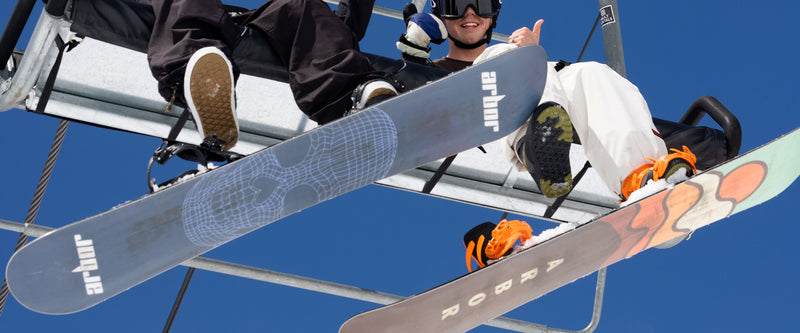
470	248
504	236
660	165
478	258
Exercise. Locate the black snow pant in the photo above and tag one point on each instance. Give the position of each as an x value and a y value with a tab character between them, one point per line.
318	47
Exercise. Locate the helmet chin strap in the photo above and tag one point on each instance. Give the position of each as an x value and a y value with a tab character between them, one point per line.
462	45
486	39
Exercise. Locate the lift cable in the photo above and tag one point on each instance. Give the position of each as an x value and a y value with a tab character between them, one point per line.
55	148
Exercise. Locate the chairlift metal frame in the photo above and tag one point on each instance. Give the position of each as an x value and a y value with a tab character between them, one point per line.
19	90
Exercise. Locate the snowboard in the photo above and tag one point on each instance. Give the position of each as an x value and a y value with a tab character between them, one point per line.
710	196
84	263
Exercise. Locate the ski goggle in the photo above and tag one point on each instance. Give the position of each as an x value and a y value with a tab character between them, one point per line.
457	8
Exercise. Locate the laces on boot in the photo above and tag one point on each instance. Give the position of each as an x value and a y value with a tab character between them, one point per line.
500	240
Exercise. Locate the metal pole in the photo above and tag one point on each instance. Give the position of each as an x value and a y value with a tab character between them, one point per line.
420	4
598	301
612	37
16	22
178	300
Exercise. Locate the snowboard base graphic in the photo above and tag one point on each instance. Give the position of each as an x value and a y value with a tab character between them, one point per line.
475	298
84	263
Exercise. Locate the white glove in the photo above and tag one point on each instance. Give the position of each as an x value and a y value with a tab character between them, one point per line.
422	29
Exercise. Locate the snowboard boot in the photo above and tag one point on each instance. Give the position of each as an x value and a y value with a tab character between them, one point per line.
545	149
372	92
665	167
488	241
208	87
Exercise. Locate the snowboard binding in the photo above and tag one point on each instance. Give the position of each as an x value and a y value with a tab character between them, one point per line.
488	241
662	168
207	152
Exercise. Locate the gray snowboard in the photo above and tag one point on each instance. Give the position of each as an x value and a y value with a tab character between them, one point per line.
89	261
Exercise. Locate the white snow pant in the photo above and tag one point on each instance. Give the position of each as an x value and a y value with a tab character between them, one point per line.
608	113
610	116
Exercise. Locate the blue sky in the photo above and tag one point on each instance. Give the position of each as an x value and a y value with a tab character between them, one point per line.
737	275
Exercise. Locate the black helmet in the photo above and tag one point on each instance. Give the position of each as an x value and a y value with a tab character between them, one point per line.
457	8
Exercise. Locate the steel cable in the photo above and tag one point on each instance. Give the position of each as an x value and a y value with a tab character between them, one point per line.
55	148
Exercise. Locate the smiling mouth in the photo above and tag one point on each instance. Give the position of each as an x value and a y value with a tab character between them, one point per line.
469	25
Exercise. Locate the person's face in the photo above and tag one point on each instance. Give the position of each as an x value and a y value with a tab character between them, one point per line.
469	28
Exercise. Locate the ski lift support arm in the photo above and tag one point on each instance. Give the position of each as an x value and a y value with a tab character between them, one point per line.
16	22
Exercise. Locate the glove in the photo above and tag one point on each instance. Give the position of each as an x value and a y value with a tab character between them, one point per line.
421	30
